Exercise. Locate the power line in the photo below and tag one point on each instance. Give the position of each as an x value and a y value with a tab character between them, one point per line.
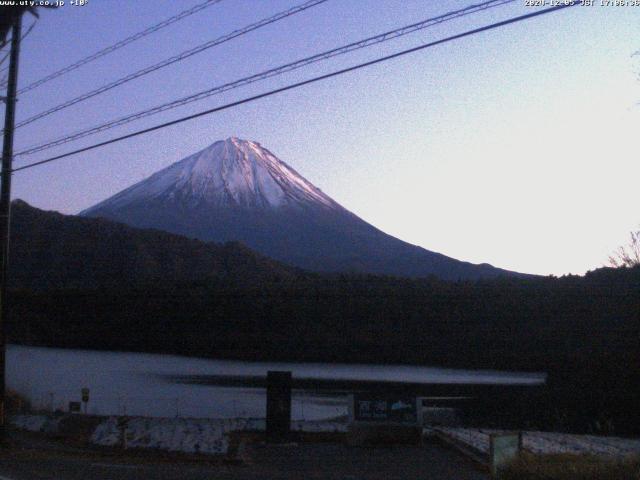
120	44
392	34
176	58
302	83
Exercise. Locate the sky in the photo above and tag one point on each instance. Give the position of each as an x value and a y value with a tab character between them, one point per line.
515	147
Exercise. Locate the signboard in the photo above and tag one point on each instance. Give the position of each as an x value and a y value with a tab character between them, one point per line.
384	409
74	407
85	395
504	447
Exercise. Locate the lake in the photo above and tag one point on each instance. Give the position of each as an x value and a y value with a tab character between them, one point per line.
159	385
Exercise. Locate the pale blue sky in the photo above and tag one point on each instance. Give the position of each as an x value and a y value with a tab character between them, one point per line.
516	147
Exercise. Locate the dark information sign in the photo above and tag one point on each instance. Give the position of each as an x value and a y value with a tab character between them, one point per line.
378	408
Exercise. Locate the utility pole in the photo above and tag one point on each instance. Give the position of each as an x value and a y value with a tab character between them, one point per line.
5	198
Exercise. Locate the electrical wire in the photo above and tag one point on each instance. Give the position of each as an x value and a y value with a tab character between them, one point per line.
336	73
367	42
176	58
116	46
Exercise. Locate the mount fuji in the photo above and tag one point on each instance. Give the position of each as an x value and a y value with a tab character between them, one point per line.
238	190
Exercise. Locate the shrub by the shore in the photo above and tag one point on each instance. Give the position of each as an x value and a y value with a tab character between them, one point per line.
16	403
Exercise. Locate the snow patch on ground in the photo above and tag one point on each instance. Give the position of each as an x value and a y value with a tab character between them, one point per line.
173	434
190	435
550	442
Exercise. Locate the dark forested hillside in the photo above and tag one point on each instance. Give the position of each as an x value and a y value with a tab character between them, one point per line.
524	324
53	251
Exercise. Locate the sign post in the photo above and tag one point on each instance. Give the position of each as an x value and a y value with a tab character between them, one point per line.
85	398
278	406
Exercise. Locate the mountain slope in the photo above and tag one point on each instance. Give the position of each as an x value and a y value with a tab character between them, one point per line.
51	250
238	190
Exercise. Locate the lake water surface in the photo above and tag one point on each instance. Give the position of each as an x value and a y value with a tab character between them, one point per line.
142	384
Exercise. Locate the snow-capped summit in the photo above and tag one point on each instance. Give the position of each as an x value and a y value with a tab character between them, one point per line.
237	190
230	172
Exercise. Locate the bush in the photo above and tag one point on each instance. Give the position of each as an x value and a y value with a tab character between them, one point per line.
15	403
571	467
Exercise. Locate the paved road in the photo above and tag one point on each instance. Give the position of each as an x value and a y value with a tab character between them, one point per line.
301	462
